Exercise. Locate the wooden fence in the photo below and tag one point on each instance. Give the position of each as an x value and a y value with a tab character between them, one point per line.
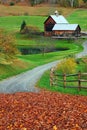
55	78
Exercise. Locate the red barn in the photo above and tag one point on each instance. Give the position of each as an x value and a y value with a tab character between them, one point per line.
57	25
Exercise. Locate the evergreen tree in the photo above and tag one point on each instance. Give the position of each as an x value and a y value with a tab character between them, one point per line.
85	1
22	25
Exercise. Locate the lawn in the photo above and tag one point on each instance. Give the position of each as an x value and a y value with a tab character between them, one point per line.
13	23
80	17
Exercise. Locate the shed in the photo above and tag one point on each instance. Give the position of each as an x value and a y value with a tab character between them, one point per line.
57	25
66	29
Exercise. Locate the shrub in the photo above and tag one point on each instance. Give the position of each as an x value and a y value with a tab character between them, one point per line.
30	30
67	66
23	25
26	14
8	48
33	29
11	3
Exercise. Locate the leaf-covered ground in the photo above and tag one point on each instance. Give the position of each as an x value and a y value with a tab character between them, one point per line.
43	111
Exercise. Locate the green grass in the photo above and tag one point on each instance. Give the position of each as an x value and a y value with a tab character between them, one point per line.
13	23
39	59
79	17
14	68
44	83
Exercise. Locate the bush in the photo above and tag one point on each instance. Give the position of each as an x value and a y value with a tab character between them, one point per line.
30	30
23	25
26	14
11	3
33	29
67	66
8	48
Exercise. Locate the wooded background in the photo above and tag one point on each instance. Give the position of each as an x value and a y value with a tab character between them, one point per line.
65	3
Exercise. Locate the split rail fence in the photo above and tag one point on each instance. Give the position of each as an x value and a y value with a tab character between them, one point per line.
55	79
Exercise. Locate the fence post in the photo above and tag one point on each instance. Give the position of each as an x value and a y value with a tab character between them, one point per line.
51	76
79	80
64	79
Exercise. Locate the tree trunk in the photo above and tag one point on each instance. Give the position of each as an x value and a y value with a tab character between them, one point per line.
71	3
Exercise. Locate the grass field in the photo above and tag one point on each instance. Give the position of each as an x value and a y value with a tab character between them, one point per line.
80	17
13	23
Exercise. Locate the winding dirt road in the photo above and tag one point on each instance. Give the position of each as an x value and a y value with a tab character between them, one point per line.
25	82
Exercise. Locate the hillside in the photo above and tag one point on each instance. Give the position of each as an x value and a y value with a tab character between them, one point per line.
28	10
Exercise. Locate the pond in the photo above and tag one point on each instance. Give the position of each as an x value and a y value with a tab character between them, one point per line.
26	50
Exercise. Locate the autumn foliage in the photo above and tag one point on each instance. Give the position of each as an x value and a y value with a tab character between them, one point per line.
43	111
7	46
67	66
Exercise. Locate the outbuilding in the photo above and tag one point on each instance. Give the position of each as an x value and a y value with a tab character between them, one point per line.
57	25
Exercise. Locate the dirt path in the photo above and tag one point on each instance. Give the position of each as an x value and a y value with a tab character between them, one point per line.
26	81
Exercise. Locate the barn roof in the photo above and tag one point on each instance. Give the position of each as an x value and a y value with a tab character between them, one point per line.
65	27
59	19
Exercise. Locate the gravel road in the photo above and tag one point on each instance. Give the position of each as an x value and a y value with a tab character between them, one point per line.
25	82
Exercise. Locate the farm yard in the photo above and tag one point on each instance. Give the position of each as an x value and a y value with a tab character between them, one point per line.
49	108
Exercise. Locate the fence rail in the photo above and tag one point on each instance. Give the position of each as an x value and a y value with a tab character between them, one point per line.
54	77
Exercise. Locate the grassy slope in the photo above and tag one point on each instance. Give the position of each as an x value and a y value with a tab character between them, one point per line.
27	10
79	17
12	69
48	57
13	23
44	83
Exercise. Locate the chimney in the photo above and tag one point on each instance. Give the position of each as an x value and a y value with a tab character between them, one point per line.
56	13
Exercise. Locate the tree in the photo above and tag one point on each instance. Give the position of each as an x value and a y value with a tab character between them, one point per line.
71	2
74	3
23	25
84	1
7	45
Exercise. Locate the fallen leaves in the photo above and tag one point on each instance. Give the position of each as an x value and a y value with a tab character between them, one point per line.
43	111
55	128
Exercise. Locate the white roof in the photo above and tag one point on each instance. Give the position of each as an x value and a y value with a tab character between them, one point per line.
59	19
65	27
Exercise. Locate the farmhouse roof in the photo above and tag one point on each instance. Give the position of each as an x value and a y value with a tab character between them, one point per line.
59	19
65	27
